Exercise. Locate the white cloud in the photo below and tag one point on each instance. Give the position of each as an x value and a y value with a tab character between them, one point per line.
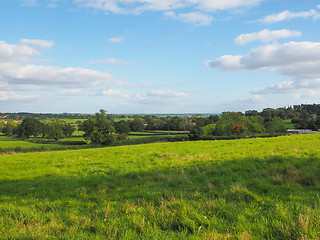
212	5
51	4
41	44
17	70
286	15
16	53
29	2
151	97
116	39
111	61
116	93
277	57
298	60
75	92
197	18
265	36
138	6
167	94
13	96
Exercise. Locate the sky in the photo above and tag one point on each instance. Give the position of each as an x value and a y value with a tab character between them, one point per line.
152	56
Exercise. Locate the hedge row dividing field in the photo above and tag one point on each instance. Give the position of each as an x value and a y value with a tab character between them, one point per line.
230	189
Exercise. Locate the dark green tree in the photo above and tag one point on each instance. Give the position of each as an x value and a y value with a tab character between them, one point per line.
98	129
122	127
68	129
54	132
276	125
10	128
29	127
137	124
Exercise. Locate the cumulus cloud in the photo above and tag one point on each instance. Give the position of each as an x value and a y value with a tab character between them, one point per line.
278	57
197	18
12	53
13	96
287	15
116	39
18	72
265	36
111	61
298	60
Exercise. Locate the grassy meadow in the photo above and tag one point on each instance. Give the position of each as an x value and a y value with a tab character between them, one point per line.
232	189
11	142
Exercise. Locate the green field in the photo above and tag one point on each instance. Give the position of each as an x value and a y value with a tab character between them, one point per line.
289	124
16	145
233	189
67	120
10	142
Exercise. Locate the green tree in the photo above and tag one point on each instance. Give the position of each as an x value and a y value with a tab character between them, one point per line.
10	128
53	132
122	127
99	129
276	125
29	127
68	129
137	124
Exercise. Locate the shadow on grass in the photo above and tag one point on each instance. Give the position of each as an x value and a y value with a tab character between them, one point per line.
274	176
267	198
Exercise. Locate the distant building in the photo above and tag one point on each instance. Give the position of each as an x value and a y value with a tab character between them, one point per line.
300	131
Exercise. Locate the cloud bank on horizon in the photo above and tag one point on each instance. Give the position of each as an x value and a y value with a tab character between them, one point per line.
146	56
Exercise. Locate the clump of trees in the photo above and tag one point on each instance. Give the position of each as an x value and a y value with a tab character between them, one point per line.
32	127
99	129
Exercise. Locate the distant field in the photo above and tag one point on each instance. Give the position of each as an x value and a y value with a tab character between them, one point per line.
67	120
10	142
234	189
15	145
151	135
289	124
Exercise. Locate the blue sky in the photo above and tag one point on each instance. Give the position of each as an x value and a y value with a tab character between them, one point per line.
151	56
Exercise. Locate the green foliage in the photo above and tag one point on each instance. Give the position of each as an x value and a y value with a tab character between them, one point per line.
276	125
98	129
68	129
10	128
239	189
137	124
53	131
122	127
29	127
209	130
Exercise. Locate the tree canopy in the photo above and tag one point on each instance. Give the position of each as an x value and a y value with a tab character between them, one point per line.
98	129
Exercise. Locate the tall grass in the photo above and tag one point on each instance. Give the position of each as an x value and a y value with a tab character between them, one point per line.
234	189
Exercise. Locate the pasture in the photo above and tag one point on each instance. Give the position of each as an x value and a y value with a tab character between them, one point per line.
231	189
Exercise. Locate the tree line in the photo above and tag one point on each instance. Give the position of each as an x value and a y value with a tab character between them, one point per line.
102	128
29	126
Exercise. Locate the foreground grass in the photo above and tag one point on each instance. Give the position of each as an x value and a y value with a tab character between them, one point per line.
235	189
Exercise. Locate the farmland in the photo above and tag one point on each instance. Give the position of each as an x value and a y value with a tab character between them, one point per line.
231	189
